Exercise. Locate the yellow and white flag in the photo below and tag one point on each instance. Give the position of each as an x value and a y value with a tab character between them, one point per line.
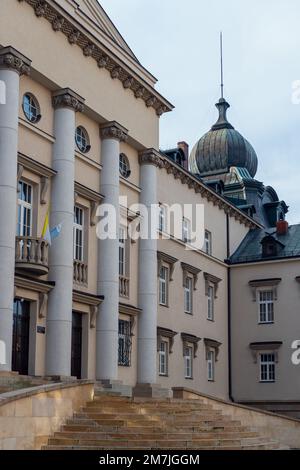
46	229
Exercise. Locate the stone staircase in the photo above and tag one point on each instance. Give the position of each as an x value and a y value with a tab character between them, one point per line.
116	422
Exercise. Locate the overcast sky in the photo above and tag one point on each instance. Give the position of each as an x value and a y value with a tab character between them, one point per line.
178	42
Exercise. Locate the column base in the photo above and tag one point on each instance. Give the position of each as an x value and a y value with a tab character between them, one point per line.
61	378
148	390
113	387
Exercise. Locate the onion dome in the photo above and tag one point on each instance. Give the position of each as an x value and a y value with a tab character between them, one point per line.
221	148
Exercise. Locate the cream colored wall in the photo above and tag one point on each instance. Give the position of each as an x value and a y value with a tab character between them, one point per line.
245	330
66	66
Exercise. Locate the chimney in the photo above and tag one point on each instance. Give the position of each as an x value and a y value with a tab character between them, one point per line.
282	227
185	147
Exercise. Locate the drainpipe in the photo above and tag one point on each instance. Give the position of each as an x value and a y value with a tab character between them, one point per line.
229	310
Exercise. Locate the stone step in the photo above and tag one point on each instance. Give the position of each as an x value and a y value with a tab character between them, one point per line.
166	417
146	435
262	446
149	443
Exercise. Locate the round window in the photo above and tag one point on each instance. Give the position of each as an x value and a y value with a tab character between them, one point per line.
31	108
124	166
82	139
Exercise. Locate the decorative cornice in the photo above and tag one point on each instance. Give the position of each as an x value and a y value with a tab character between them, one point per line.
103	57
212	344
200	188
150	157
86	298
129	309
188	269
272	283
32	284
168	259
66	98
166	333
189	338
35	166
273	346
114	130
11	59
88	193
211	279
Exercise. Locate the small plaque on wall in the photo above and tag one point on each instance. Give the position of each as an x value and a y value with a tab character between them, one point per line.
41	329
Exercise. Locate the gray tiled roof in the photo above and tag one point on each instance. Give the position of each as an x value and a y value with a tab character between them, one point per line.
251	249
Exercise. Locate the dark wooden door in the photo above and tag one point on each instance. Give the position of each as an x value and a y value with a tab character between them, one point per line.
76	345
20	350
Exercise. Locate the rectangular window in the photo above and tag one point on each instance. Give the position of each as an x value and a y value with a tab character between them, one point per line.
210	303
266	307
122	251
78	232
188	362
125	343
162	218
207	242
267	367
163	285
186	230
211	366
188	294
163	358
24	227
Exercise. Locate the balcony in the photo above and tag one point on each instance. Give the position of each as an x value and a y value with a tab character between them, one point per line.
32	255
124	287
80	272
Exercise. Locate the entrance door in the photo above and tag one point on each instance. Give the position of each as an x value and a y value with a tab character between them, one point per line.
21	320
76	345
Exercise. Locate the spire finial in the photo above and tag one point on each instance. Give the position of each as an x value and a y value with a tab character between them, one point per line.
221	63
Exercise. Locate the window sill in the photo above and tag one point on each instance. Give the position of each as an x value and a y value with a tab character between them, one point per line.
124	365
210	319
267	381
164	305
188	313
163	375
189	378
211	380
266	322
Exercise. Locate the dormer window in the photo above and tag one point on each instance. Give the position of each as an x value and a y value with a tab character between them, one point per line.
270	246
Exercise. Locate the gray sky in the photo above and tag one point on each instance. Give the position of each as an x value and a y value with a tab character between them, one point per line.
178	41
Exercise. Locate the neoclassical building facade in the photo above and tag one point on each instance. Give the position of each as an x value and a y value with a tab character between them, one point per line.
79	130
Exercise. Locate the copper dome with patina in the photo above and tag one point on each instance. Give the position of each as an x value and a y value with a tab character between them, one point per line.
221	148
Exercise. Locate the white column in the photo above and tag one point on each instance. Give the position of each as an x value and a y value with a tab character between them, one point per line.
147	321
12	65
112	134
59	317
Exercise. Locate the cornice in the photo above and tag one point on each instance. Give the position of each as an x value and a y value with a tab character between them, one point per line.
114	130
11	59
88	299
66	98
88	193
104	58
34	285
200	188
35	166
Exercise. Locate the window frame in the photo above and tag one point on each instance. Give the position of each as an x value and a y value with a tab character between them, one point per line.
24	207
269	307
163	281
188	295
270	368
163	365
188	362
208	242
124	337
33	104
162	218
186	230
124	166
83	141
211	360
211	303
122	251
79	228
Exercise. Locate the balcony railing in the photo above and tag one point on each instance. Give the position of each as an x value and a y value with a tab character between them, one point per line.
32	255
124	286
80	272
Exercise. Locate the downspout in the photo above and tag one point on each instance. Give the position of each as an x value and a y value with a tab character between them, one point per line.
229	309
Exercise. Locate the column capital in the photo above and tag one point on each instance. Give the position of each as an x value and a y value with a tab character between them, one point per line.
113	130
150	157
67	98
12	59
